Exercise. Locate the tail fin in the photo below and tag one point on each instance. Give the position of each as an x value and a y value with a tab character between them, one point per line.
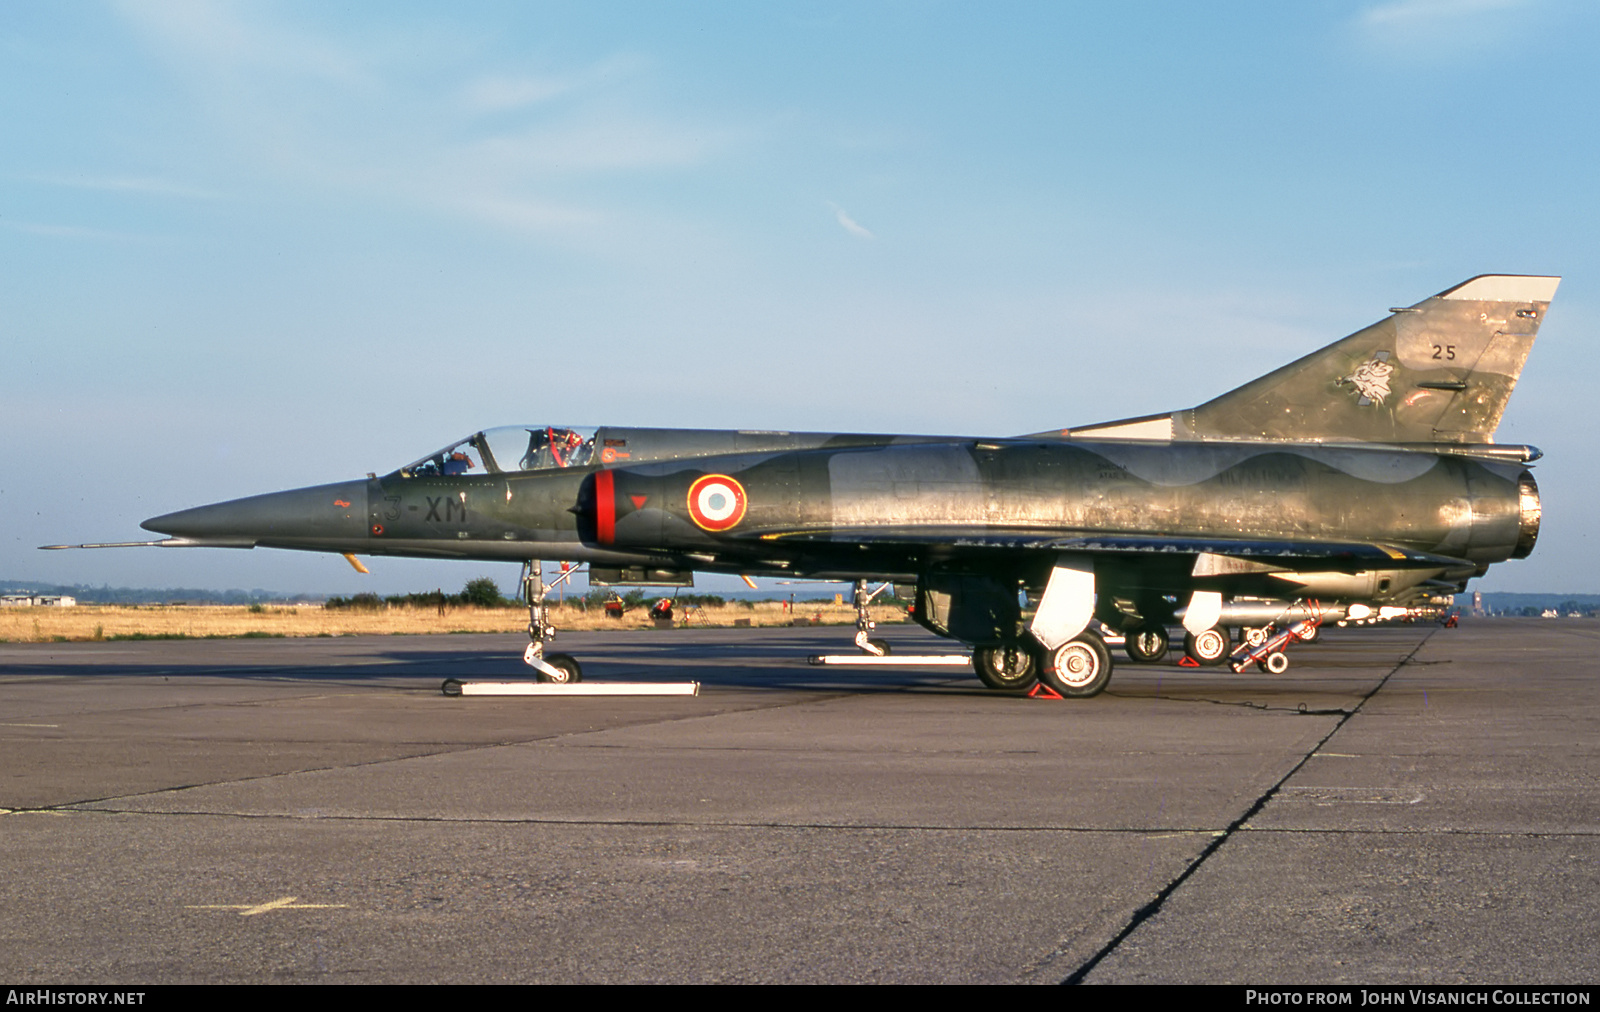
1440	371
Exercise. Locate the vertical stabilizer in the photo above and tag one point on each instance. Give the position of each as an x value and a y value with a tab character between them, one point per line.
1439	371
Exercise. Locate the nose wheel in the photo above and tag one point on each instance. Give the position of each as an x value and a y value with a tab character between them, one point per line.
568	670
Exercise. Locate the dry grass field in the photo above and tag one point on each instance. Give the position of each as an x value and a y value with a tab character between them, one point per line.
107	622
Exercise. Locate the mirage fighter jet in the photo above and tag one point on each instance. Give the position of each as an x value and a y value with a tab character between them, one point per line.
1363	472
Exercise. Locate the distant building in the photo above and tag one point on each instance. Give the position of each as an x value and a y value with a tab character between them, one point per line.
37	601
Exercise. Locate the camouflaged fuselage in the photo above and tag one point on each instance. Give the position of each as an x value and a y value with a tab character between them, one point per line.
898	506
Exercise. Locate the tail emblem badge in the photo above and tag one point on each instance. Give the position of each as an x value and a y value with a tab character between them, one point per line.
1371	379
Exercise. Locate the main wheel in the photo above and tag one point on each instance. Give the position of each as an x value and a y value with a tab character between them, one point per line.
1080	667
1146	645
1208	647
1009	667
1255	636
568	665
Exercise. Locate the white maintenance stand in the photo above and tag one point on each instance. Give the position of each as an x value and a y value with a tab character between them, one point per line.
897	660
456	687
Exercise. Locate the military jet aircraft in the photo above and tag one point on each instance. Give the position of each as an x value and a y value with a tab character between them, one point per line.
1365	471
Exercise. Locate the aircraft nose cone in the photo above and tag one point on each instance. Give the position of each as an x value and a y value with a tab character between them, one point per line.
321	513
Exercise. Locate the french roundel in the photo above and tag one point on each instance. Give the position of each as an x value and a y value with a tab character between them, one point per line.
716	502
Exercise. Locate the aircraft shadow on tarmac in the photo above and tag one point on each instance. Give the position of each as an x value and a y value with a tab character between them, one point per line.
768	659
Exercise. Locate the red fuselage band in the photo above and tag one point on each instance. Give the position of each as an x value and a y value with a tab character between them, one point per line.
605	507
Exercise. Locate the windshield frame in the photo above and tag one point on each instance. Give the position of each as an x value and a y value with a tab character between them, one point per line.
548	448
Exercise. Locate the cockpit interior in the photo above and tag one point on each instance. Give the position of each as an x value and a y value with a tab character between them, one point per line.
509	449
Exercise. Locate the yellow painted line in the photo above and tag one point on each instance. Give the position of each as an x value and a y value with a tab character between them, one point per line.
276	904
281	903
1390	552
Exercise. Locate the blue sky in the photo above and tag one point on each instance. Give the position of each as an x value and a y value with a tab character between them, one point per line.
252	246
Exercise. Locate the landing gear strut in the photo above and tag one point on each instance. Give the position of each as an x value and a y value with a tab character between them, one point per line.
869	645
1073	660
554	667
875	651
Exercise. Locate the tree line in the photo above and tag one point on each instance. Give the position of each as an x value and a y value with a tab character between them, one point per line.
483	592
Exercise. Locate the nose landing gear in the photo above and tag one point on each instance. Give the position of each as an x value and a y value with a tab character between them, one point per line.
562	669
869	645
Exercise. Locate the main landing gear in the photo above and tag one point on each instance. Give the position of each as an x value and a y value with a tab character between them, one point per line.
1059	651
1077	669
1080	667
1012	667
554	667
1073	659
1146	645
1208	647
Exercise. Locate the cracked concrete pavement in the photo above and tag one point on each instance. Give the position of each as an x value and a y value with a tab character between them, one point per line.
1402	805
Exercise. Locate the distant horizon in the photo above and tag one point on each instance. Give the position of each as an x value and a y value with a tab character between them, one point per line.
128	594
739	592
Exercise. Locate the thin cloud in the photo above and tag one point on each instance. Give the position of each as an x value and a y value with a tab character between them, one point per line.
525	215
499	94
129	184
849	224
221	37
79	232
1435	29
1415	12
593	143
518	149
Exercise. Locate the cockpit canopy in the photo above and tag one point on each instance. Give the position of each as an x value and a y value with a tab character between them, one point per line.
510	448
